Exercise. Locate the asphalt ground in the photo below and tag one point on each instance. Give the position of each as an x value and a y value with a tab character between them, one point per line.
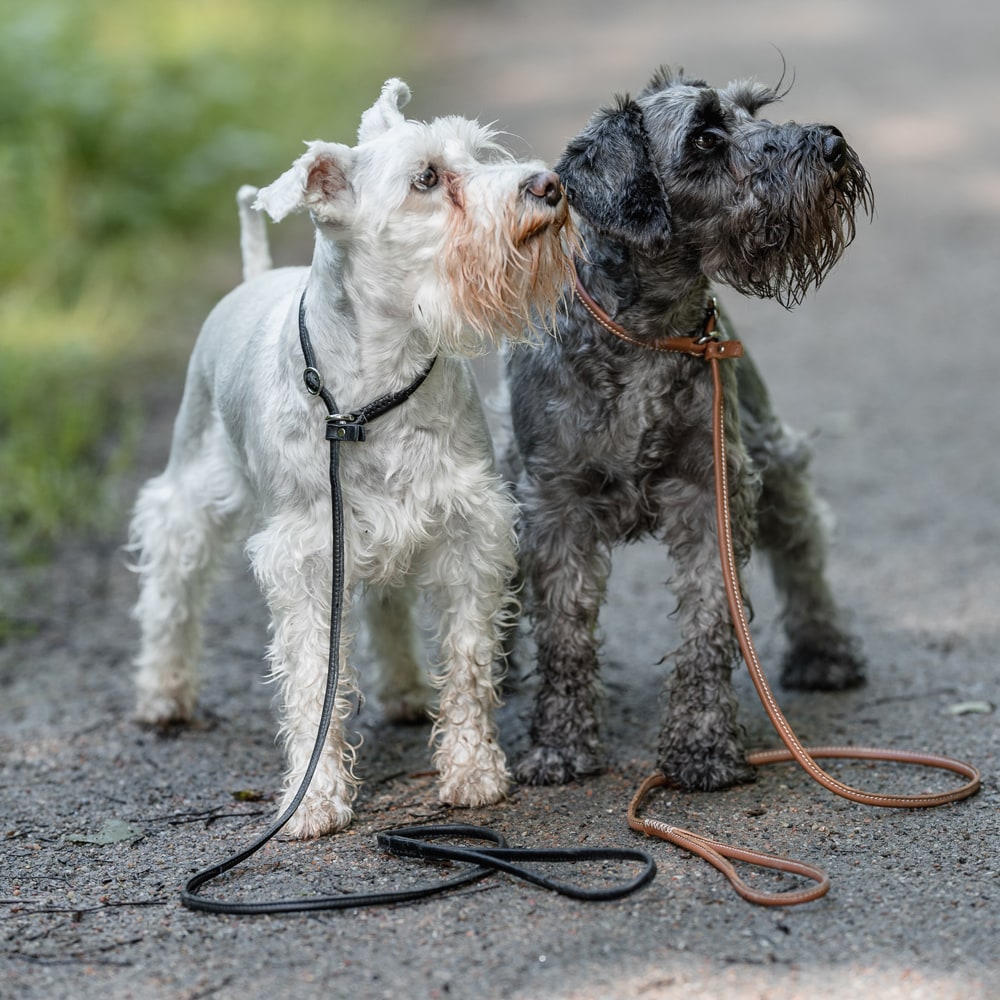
890	366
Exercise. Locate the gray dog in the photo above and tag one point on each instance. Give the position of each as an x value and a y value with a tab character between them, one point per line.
679	187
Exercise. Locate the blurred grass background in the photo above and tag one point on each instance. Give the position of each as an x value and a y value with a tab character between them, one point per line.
126	127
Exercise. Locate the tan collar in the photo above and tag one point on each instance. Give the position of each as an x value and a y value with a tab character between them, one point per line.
705	345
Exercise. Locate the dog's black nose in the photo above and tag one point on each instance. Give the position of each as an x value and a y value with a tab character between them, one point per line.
546	187
834	147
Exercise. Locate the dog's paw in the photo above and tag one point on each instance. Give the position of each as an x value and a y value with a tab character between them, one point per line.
548	765
163	710
316	816
482	783
707	770
833	665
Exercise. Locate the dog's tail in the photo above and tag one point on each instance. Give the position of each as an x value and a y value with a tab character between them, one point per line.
253	234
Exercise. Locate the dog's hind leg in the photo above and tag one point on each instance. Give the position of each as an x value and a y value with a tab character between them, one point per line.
822	654
181	520
402	690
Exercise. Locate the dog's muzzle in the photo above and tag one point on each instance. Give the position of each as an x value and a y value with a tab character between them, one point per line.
546	187
834	148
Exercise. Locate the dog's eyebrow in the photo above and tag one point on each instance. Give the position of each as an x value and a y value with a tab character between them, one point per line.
708	108
751	95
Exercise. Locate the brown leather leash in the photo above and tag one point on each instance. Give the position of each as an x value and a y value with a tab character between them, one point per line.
715	852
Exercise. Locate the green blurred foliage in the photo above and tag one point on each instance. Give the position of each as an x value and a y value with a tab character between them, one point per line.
126	127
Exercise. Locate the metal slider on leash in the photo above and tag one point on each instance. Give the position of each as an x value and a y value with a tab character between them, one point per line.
344	427
706	344
339	426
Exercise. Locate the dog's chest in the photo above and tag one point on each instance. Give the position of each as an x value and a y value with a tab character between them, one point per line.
646	415
391	508
406	486
648	426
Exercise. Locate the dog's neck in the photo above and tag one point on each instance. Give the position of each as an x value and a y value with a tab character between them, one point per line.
359	322
654	293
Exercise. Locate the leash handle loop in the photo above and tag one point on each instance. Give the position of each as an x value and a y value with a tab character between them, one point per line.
421	842
720	855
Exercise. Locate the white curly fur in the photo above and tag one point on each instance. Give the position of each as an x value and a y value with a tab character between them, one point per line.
406	265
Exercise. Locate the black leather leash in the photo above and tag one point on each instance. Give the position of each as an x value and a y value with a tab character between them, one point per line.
419	842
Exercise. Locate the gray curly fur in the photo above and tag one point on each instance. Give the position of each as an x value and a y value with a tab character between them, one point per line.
612	443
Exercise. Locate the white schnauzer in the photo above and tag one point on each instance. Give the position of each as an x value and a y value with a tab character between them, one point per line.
430	242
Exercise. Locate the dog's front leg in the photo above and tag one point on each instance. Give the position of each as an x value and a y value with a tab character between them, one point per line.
566	567
701	742
291	558
469	576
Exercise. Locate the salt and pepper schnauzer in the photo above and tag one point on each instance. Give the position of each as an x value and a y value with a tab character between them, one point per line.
678	187
430	241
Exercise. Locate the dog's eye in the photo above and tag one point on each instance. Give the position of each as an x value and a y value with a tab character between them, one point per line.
426	179
706	142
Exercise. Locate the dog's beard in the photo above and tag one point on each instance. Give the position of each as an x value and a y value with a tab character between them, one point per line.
506	286
781	251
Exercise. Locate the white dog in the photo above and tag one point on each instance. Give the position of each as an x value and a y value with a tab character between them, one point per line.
429	239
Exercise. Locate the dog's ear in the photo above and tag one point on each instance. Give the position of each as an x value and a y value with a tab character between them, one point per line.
318	181
386	111
609	178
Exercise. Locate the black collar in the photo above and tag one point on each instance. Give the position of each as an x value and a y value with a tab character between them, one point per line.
348	426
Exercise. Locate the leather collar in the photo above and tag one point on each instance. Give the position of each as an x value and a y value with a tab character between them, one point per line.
705	344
